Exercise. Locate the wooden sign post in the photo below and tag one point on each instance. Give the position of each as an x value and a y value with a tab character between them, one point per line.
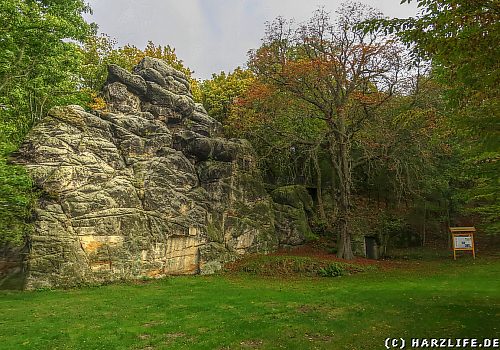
462	239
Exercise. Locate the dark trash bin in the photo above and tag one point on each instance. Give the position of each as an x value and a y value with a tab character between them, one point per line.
371	248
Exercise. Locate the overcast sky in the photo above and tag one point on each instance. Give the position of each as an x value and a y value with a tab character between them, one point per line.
209	35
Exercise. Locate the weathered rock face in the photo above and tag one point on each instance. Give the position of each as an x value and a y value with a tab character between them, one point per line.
149	188
292	205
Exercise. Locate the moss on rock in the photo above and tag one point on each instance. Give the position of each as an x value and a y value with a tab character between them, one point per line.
295	196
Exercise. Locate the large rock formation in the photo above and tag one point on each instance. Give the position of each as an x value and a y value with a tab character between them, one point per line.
292	206
148	188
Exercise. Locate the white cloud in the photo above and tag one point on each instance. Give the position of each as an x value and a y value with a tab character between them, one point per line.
208	35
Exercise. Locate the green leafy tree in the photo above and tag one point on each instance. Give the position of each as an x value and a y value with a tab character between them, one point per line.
39	65
416	149
461	38
39	57
219	93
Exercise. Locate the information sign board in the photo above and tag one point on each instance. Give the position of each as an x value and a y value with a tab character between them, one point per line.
463	240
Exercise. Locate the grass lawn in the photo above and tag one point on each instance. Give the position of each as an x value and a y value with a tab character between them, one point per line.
437	298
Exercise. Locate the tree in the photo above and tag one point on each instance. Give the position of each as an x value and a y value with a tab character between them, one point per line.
461	38
418	157
219	93
344	75
407	143
38	56
39	65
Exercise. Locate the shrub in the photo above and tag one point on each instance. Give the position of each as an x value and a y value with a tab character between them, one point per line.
16	199
332	270
286	265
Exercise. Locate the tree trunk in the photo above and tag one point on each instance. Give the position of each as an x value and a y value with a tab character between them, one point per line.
345	248
319	192
424	224
341	160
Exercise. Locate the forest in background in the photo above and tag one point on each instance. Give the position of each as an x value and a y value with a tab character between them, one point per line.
392	124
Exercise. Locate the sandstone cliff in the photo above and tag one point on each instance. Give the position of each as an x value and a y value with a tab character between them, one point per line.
147	188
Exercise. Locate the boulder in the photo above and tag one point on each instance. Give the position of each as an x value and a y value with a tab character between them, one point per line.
147	188
135	83
120	99
292	207
295	196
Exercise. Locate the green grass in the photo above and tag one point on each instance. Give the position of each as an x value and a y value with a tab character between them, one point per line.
441	298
